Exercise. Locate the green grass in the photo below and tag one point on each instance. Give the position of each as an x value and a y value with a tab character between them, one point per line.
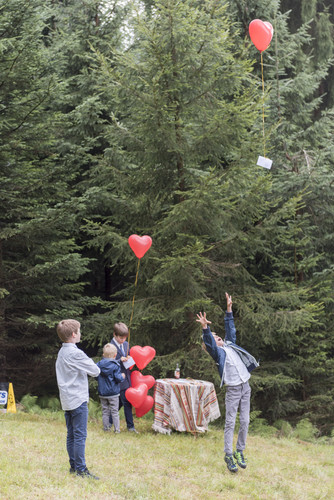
34	464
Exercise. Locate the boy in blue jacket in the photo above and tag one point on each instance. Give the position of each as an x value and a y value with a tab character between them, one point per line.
108	386
234	366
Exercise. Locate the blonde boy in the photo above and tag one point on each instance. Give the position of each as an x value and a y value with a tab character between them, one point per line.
109	387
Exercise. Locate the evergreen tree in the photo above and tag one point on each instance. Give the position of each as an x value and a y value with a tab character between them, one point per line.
83	109
40	264
302	153
182	170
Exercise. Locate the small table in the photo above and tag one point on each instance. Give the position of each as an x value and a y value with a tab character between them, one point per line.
186	405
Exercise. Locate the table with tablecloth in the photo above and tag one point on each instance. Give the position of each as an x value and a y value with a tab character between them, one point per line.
185	405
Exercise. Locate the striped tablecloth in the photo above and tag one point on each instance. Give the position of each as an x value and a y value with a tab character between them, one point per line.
185	405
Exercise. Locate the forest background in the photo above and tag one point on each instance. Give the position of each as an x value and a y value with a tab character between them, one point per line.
122	117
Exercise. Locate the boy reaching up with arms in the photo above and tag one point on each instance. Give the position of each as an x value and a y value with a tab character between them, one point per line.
234	366
72	368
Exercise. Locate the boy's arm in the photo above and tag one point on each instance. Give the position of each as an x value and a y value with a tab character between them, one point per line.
230	331
118	375
86	364
210	344
207	336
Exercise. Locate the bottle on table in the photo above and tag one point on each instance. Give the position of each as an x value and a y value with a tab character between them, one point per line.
177	371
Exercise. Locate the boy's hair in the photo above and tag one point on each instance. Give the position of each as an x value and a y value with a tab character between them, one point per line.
121	330
109	351
66	327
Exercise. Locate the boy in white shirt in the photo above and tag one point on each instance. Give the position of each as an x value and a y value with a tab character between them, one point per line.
72	368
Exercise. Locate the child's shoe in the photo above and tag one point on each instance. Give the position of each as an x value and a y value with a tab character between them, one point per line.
86	473
241	460
230	462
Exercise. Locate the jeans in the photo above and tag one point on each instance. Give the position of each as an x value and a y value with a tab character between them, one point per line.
76	423
237	397
127	411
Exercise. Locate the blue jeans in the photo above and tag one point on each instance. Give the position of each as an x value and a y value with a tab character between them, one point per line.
76	423
127	411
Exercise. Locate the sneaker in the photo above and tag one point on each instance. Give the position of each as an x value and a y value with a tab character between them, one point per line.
117	432
72	470
241	460
230	462
133	430
86	473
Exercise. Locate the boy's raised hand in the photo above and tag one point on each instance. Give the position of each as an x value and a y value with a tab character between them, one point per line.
202	320
228	302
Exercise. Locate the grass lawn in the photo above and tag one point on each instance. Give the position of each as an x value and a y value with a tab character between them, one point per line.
34	464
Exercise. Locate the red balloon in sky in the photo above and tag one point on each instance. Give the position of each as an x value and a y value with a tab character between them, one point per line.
140	244
261	34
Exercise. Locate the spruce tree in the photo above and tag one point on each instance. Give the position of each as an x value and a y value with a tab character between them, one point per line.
182	170
41	267
297	270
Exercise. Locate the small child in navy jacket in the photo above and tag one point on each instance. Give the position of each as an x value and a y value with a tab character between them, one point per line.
108	386
234	365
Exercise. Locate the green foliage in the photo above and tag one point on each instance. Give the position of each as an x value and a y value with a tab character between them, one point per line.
46	406
29	403
41	265
284	428
305	431
49	402
261	427
94	409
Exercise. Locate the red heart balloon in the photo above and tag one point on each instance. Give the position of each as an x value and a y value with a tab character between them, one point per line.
145	407
140	244
270	27
137	378
142	355
261	34
136	395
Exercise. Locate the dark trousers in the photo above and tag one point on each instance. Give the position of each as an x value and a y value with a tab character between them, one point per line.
127	410
76	423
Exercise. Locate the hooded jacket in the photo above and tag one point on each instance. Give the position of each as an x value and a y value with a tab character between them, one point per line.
110	378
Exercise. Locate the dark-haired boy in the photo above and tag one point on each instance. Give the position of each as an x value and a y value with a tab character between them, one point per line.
120	335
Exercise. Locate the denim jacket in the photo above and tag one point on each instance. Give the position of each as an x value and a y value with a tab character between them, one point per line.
218	353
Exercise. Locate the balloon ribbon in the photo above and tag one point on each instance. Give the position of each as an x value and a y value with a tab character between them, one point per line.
133	302
264	139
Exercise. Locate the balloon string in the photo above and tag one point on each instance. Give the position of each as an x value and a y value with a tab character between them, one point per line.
264	139
133	303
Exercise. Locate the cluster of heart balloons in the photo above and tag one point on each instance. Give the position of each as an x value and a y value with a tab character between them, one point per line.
137	394
261	33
